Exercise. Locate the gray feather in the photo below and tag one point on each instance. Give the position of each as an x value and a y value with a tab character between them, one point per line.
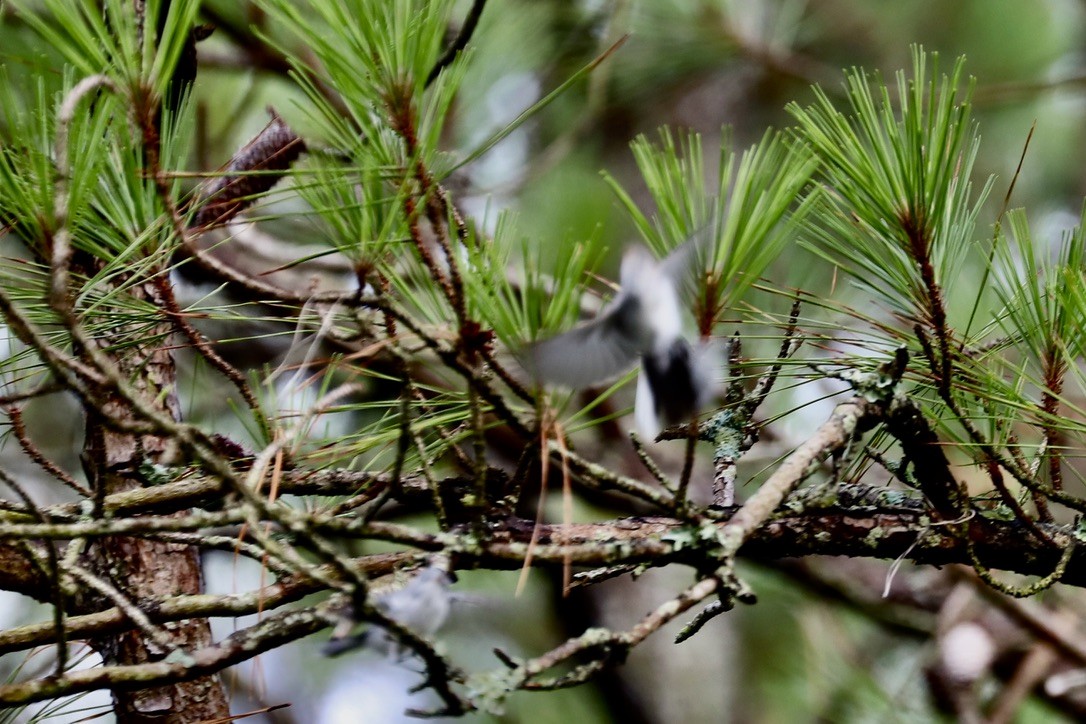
644	319
685	260
593	352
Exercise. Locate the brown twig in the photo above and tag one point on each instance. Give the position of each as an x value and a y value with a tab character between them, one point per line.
15	415
203	346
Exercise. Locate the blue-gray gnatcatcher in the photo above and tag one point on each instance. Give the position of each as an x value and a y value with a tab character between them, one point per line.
422	606
678	378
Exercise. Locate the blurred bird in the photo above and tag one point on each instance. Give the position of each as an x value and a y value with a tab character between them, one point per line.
422	606
644	321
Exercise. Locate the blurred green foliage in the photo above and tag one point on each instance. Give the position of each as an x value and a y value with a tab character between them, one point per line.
697	64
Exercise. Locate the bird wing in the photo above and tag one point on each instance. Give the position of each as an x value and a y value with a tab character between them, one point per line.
682	264
593	352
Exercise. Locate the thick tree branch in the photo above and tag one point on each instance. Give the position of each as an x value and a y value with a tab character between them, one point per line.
274	631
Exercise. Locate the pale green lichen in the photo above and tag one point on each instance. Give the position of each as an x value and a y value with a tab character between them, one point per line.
875	535
596	636
459	543
156	474
621	550
679	538
181	657
720	426
488	690
709	531
895	498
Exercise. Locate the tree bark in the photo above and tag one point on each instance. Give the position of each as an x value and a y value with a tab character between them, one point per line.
143	570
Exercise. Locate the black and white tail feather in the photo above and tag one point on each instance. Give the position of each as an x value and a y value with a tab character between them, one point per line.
644	321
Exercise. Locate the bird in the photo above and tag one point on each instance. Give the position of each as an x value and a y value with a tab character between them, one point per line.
422	606
643	322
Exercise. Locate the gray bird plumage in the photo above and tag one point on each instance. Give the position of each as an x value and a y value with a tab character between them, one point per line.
644	322
595	351
422	605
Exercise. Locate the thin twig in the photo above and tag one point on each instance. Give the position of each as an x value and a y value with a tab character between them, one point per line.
459	43
15	415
